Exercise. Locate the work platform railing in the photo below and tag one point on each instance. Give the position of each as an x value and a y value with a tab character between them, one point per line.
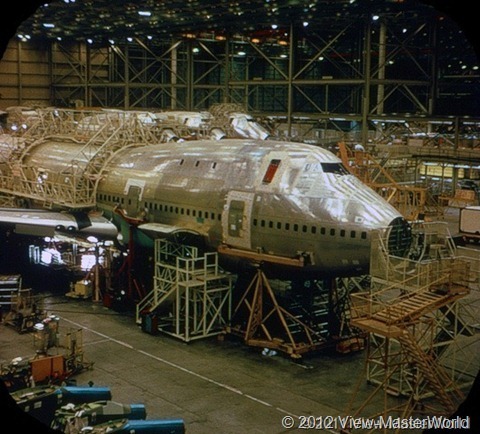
191	296
98	137
422	317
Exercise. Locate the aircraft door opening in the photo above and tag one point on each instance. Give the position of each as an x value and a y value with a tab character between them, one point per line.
236	219
133	200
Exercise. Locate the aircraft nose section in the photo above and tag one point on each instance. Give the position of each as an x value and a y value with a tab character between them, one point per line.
400	237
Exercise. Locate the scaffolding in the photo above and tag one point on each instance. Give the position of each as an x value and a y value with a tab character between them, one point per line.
411	201
191	296
418	314
99	136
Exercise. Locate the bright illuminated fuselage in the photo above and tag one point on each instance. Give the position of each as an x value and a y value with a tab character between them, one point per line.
274	198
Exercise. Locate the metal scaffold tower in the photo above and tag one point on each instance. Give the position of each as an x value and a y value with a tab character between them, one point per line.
418	313
410	200
98	136
191	296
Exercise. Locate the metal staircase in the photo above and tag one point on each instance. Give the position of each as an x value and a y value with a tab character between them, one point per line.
438	379
420	314
396	320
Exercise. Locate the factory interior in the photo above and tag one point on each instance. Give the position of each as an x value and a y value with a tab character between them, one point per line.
256	216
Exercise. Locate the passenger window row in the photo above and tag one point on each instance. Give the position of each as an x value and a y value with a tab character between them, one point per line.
295	227
182	211
154	206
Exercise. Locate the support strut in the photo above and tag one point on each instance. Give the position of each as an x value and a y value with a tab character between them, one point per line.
260	320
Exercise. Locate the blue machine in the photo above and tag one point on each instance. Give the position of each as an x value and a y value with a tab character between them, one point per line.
153	426
81	394
94	413
43	401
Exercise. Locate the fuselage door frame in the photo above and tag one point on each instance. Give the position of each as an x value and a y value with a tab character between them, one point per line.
236	219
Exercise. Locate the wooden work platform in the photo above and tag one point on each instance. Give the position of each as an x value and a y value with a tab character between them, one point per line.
413	307
377	326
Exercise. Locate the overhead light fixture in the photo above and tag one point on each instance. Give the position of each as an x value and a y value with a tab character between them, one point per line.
129	39
24	38
305	23
112	42
144	13
48	25
375	17
274	26
242	53
90	40
149	37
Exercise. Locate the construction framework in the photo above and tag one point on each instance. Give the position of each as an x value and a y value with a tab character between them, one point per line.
296	321
99	136
191	295
418	314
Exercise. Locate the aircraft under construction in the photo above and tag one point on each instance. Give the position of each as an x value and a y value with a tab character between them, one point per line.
268	201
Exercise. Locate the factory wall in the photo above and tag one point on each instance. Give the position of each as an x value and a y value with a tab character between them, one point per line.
24	75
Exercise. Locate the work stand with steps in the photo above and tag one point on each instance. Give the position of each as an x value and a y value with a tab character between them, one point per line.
191	296
416	314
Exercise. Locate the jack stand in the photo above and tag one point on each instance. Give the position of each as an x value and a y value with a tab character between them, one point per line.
266	324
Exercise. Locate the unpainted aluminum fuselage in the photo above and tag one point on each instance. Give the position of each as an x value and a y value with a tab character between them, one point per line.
270	197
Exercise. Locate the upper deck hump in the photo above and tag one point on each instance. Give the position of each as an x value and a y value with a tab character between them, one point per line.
235	147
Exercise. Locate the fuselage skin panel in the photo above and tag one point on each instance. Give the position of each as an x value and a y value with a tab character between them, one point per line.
272	197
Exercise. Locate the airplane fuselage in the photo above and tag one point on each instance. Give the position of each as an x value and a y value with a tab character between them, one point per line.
273	198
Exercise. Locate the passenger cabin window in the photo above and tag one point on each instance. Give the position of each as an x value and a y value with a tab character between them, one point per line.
271	170
335	168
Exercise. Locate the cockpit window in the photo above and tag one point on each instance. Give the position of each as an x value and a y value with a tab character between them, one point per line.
335	168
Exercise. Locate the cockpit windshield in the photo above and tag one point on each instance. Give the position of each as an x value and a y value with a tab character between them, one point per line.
335	168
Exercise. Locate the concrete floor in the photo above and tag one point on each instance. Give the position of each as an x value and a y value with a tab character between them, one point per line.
214	385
